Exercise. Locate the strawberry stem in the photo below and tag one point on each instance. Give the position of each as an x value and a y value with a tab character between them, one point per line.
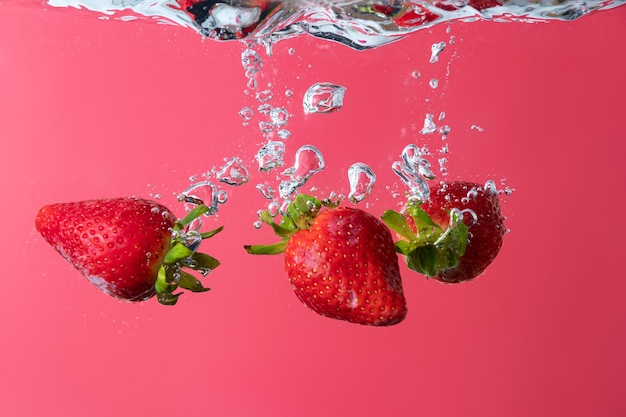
299	215
428	249
183	254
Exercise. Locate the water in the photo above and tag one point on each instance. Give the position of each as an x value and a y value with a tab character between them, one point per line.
357	24
95	105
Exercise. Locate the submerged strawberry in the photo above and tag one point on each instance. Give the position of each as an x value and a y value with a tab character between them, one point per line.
454	236
130	248
341	262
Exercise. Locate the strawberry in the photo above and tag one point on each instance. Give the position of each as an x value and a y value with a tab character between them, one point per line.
130	248
452	237
341	262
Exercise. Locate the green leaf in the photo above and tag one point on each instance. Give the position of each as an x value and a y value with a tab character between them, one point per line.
203	261
168	299
280	230
177	253
425	260
273	249
398	224
303	209
211	233
196	212
191	283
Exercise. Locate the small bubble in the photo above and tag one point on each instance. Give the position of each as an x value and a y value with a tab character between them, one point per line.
291	51
433	83
288	93
279	116
416	74
264	95
436	49
257	224
284	134
476	127
266	191
246	113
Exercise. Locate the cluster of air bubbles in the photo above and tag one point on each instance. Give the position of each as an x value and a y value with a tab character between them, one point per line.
415	171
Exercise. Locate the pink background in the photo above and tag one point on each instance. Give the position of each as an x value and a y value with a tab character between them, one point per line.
93	108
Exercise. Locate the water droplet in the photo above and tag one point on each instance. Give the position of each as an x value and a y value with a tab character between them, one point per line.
416	74
436	49
264	95
433	83
271	155
279	116
289	93
291	51
362	179
257	224
476	127
246	113
323	98
233	173
309	160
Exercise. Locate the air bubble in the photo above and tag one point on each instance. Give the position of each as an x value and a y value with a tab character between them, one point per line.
362	179
233	173
323	98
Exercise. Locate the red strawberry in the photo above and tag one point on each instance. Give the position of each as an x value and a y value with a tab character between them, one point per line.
455	235
130	248
340	261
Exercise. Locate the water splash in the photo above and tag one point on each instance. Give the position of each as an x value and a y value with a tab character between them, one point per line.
357	24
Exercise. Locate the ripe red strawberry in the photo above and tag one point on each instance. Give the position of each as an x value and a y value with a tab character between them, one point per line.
130	248
455	235
341	262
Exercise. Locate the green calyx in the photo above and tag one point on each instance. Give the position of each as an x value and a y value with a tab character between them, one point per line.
183	255
428	249
298	216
